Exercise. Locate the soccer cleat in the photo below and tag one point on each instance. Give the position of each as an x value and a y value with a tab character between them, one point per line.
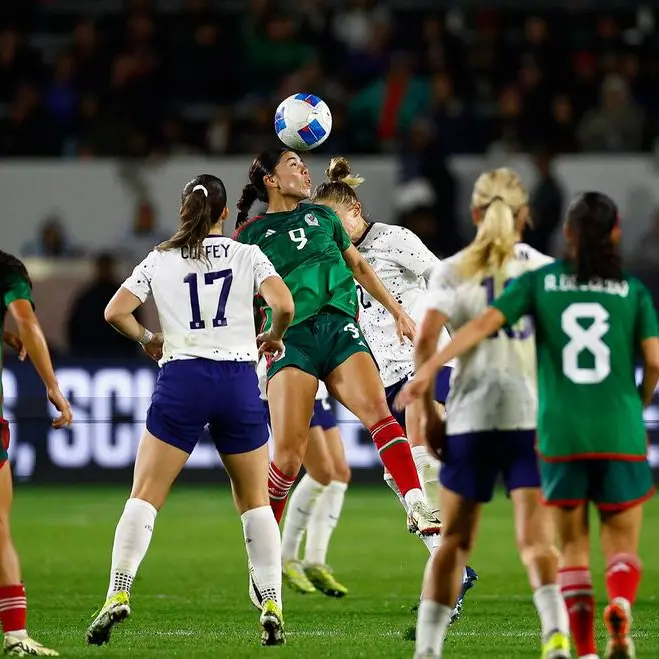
322	579
618	621
467	584
17	646
556	647
116	609
272	624
422	520
296	578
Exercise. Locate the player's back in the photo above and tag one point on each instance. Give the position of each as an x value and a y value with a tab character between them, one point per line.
588	340
493	386
305	245
205	305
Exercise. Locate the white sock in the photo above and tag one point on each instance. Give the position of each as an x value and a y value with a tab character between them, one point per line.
413	496
428	469
432	623
323	522
391	483
301	505
551	609
263	543
131	542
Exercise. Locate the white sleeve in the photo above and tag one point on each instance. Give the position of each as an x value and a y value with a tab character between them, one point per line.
139	282
442	290
539	260
263	268
409	251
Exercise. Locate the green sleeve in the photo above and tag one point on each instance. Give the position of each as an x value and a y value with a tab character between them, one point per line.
341	238
646	319
517	299
19	289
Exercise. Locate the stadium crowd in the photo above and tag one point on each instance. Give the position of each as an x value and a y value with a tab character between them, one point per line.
146	82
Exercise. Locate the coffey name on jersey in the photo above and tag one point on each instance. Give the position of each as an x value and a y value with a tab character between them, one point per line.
205	307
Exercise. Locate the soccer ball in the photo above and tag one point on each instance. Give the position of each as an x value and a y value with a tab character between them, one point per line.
303	122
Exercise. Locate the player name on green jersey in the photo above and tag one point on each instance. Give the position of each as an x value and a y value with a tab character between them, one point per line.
306	247
588	339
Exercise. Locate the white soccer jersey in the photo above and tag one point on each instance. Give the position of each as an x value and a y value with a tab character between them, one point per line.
493	386
404	264
205	307
261	372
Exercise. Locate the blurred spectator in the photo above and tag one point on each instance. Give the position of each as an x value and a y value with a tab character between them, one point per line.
546	205
219	133
90	58
61	98
18	63
513	130
353	25
144	233
617	124
52	241
561	132
646	253
89	336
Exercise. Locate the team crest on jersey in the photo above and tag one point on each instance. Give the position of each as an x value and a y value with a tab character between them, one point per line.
270	232
311	220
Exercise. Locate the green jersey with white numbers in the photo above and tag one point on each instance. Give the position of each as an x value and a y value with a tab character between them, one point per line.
306	247
588	340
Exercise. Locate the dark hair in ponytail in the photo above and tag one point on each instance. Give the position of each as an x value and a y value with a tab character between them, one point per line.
263	165
203	200
10	268
591	218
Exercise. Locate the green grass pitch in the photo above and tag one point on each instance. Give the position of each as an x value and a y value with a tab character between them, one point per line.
190	598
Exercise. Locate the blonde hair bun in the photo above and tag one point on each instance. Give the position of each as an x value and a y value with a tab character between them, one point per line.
338	171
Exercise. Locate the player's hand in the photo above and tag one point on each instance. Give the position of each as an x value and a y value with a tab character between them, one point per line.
268	344
154	347
413	390
65	418
405	327
15	343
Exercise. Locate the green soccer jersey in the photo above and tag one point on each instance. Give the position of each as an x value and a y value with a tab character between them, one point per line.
306	247
15	286
587	341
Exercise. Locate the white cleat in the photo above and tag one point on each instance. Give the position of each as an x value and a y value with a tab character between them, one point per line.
422	520
618	621
24	646
116	609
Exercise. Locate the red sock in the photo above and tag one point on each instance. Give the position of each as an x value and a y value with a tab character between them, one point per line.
13	608
279	485
395	453
577	590
623	574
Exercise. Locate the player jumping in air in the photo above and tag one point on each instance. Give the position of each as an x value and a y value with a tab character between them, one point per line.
203	286
404	264
315	505
490	429
312	252
592	320
16	299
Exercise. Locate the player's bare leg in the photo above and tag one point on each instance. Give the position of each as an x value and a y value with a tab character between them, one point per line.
443	575
326	515
356	384
574	576
535	534
620	532
13	602
291	396
156	467
249	480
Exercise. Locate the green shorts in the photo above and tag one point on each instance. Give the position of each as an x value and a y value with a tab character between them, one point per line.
609	484
321	343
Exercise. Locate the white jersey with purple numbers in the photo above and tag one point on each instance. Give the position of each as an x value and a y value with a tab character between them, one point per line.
205	307
404	265
493	386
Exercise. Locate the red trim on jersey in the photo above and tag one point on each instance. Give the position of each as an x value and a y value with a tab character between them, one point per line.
236	233
616	507
624	457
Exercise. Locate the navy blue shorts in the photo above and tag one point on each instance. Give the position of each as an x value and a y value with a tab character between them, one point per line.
323	415
192	393
442	382
473	461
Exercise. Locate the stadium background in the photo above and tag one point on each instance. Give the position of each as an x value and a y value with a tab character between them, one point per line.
107	108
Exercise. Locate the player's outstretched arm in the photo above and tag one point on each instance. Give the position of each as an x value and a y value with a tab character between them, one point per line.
650	349
278	297
366	277
34	343
465	339
119	313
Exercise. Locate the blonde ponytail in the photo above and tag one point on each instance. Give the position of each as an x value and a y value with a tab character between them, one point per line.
500	195
339	189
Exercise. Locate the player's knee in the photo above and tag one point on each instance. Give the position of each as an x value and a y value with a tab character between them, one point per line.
342	473
533	552
289	456
322	473
373	409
